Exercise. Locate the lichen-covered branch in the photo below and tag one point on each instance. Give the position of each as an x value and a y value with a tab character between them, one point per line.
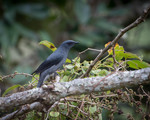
48	95
21	98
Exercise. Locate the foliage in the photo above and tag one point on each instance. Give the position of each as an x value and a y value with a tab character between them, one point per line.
104	105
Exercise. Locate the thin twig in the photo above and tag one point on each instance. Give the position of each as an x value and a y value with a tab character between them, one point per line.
70	99
144	91
89	49
16	73
80	53
79	109
74	107
56	103
116	39
104	96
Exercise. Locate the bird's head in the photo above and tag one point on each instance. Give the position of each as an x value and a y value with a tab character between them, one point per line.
69	44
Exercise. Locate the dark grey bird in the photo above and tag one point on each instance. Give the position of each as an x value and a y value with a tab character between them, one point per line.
54	61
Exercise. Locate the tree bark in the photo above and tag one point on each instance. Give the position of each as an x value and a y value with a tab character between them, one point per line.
51	94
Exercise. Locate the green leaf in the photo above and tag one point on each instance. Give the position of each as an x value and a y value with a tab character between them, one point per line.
77	59
137	64
65	79
119	48
66	72
92	109
128	55
108	92
68	60
96	72
10	89
103	72
74	103
86	63
108	63
77	65
54	114
119	53
83	70
70	66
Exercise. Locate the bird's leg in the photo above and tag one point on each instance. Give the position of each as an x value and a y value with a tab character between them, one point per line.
40	82
43	76
57	77
54	77
56	74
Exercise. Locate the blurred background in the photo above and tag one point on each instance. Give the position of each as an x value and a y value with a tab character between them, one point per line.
24	23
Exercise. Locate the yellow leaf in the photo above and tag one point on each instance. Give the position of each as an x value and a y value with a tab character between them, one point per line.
48	44
68	60
110	50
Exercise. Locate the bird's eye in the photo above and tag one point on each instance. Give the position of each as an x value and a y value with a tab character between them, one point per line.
70	43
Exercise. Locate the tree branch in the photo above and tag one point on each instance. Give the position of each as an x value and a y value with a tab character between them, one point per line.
120	34
26	108
16	73
48	95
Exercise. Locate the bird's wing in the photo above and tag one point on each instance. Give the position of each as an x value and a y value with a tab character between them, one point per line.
52	60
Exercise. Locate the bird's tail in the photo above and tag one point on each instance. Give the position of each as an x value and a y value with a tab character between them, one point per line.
33	73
